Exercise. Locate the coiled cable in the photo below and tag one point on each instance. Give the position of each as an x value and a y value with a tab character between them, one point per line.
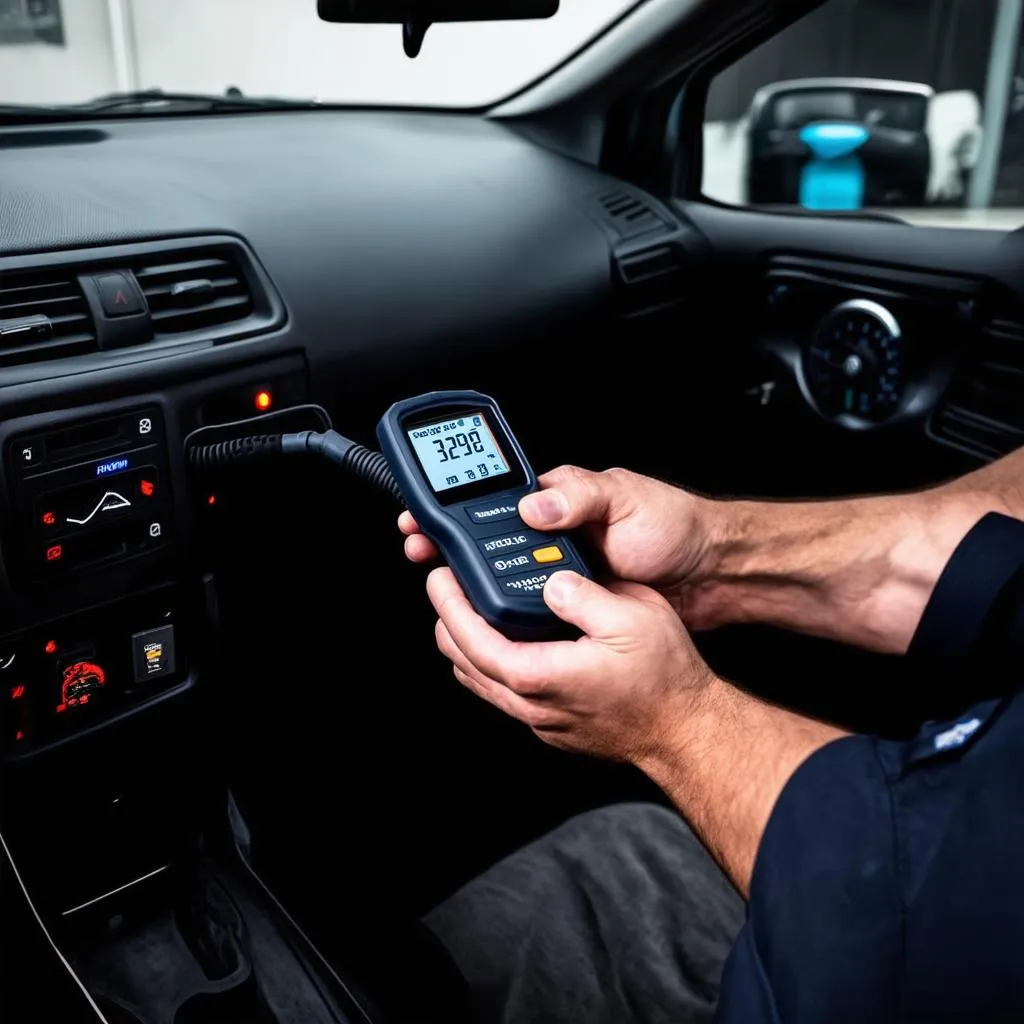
368	465
221	453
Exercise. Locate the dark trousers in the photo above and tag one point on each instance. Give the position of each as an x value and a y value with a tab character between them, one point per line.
618	916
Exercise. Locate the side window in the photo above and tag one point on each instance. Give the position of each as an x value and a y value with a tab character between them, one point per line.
914	108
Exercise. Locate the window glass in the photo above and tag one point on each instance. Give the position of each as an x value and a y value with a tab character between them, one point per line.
72	51
914	108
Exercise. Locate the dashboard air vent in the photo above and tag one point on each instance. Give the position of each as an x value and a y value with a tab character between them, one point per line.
649	278
985	409
43	315
194	294
646	264
630	215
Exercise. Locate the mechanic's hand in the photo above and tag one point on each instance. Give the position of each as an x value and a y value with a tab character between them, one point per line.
648	531
617	692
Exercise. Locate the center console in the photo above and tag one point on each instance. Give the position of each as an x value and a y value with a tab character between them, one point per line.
86	497
120	843
102	596
117	823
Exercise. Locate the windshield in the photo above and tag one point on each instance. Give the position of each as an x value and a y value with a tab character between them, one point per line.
71	51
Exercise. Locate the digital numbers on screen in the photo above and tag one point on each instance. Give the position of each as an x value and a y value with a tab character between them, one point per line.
458	451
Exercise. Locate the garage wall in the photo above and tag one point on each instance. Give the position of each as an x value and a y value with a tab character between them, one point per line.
44	73
943	43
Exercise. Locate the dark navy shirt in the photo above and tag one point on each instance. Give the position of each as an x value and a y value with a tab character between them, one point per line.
889	885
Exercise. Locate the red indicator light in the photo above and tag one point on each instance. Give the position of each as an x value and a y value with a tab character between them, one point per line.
147	487
51	647
263	400
49	519
81	680
19	735
17	692
55	553
211	499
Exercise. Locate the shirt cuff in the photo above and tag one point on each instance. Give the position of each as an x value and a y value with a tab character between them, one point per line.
981	568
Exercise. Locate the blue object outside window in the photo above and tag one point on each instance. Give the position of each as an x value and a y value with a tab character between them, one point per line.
833	179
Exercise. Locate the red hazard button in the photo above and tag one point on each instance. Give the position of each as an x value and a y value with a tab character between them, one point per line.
119	295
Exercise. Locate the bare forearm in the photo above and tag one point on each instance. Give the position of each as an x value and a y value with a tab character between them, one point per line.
1001	481
858	570
724	766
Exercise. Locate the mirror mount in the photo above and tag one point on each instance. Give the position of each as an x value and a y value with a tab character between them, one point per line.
412	36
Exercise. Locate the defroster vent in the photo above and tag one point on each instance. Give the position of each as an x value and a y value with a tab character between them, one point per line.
629	215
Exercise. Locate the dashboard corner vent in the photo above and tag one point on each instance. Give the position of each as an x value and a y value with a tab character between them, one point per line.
195	291
646	264
649	277
628	214
984	412
43	315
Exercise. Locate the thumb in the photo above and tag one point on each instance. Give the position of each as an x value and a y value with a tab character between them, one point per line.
588	605
572	497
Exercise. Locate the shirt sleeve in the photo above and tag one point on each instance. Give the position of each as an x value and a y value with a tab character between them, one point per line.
976	611
822	937
878	852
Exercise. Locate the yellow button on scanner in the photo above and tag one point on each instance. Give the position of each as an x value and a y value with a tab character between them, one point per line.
550	554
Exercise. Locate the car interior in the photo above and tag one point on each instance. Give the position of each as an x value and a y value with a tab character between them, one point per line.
236	771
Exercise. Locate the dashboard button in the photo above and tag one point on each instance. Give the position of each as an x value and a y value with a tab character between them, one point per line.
492	512
28	453
118	295
82	683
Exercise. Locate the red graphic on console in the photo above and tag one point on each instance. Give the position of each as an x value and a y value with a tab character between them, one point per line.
81	681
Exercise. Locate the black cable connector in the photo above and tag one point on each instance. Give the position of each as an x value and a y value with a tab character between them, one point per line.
362	462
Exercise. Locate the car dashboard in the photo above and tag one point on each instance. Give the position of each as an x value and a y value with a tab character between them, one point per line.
160	276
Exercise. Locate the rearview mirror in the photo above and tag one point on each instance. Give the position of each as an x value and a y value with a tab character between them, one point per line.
416	16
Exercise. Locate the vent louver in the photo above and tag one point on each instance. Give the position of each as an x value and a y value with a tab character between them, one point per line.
649	279
194	294
985	409
650	263
43	315
629	215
